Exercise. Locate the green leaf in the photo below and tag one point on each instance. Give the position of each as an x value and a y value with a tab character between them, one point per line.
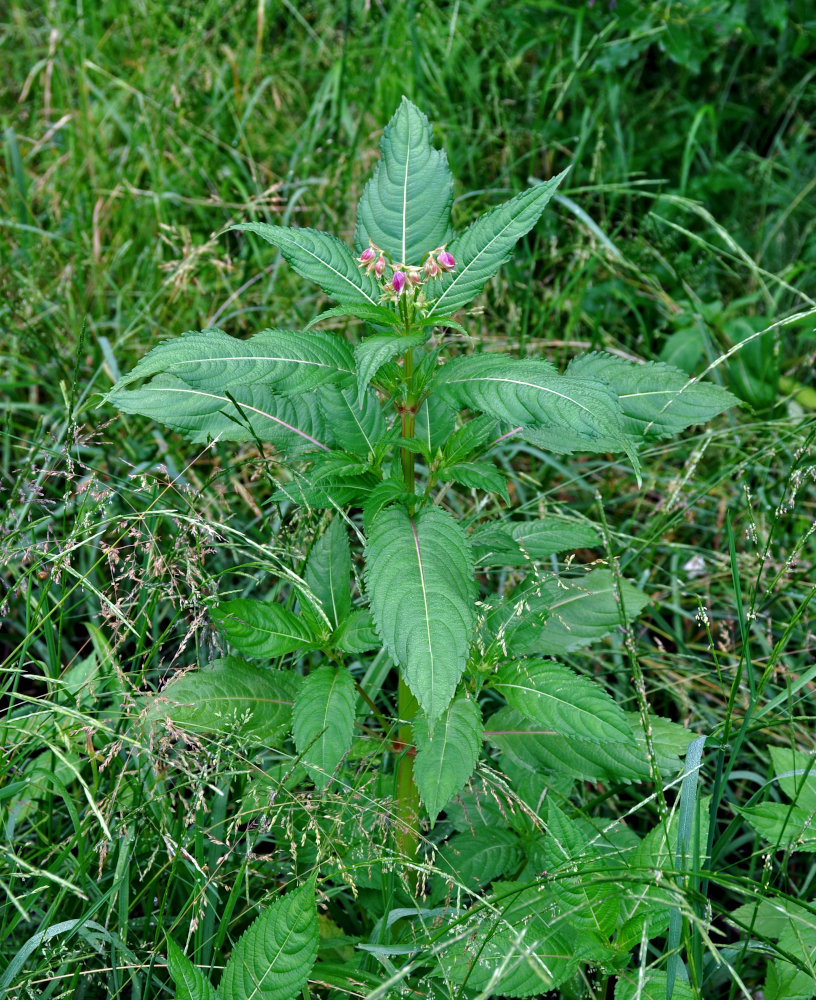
376	315
657	399
358	425
787	827
291	424
357	633
562	615
328	571
323	721
575	414
435	422
445	760
532	746
191	983
552	534
554	697
419	578
652	986
230	695
323	259
507	947
795	773
478	476
474	858
274	957
373	352
287	361
488	243
470	439
786	982
405	207
262	629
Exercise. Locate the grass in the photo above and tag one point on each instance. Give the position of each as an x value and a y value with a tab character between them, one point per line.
132	135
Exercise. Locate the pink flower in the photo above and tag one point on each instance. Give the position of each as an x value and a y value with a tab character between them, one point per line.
379	267
445	261
430	268
398	282
367	255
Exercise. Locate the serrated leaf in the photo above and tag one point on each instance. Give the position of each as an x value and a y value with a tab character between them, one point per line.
474	858
287	361
357	424
373	352
534	747
405	207
470	439
323	721
562	615
478	476
784	826
552	534
262	629
493	545
554	697
445	760
323	259
357	633
508	949
328	571
576	414
274	957
488	243
292	424
657	399
190	981
786	982
419	579
435	422
795	773
651	986
376	315
230	695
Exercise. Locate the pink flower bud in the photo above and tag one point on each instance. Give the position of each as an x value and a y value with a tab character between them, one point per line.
430	268
445	261
379	267
398	282
414	278
367	255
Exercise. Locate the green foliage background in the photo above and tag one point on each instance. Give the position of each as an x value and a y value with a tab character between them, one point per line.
132	134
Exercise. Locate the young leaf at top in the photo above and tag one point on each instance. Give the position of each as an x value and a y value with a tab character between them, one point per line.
419	579
657	399
405	207
488	243
274	957
554	697
445	760
287	361
328	571
323	720
373	352
321	258
191	983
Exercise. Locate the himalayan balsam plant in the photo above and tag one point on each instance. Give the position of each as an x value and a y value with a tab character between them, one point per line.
377	442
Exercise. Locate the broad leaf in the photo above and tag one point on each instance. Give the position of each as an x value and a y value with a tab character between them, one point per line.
475	857
786	827
262	629
434	423
562	615
552	534
650	986
322	259
657	399
291	424
376	315
419	578
274	957
191	983
478	476
470	439
506	947
323	721
795	774
357	633
373	352
328	571
445	760
288	361
577	414
232	696
555	698
541	749
488	243
358	425
405	207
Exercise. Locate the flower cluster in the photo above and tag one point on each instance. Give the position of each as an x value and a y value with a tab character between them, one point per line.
404	276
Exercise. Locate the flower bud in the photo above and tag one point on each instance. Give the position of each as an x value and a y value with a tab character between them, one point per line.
379	267
368	254
414	278
430	268
398	282
445	261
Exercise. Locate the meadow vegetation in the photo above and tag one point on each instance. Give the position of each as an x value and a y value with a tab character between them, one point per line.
145	833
